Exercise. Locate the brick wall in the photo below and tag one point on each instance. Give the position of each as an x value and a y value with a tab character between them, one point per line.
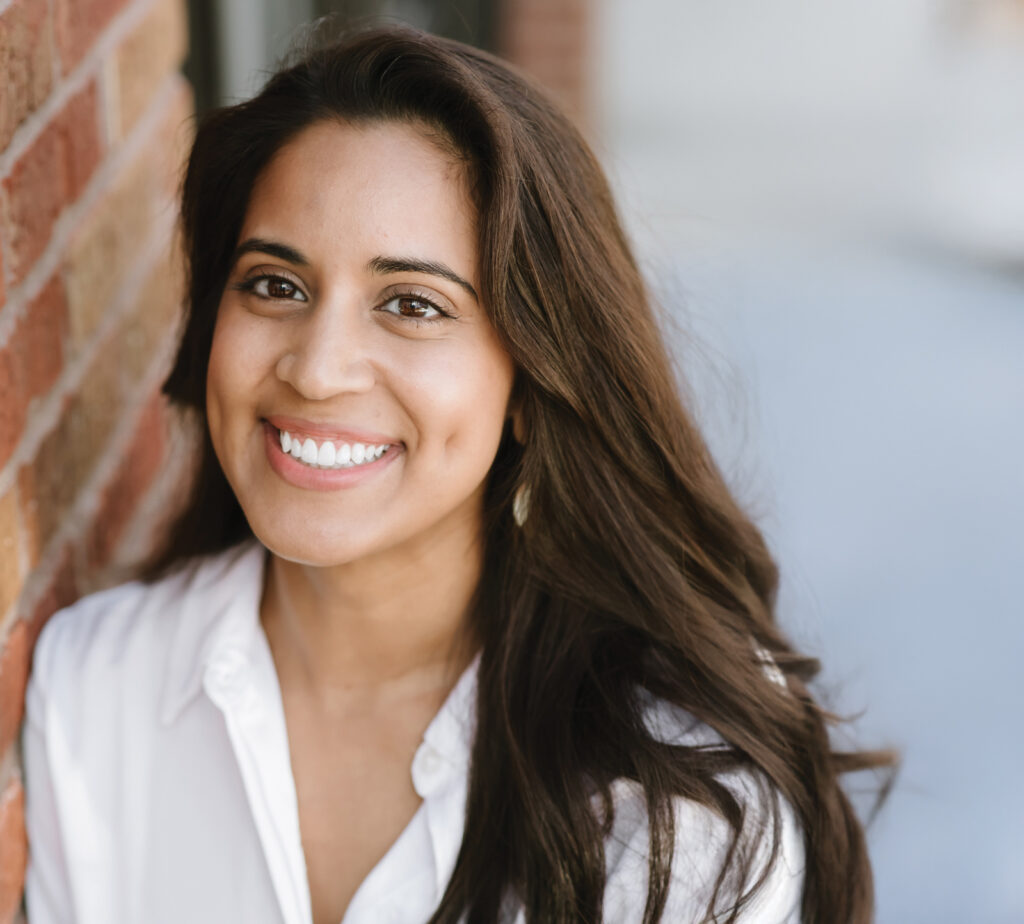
94	120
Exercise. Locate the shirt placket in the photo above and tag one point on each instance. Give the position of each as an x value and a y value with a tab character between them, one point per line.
238	683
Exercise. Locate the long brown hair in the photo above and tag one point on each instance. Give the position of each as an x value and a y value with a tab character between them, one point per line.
635	574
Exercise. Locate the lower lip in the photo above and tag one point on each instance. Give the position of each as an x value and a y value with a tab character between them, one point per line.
320	479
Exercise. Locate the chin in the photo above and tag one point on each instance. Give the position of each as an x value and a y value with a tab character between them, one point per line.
313	547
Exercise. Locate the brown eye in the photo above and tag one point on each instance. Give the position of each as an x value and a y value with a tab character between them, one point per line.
275	288
413	307
280	288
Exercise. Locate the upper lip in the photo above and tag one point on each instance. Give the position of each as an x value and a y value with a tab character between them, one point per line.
326	430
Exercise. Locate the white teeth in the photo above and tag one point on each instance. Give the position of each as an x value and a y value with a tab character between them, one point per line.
328	455
325	457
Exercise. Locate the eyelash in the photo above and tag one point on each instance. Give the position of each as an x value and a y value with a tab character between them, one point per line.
249	285
415	297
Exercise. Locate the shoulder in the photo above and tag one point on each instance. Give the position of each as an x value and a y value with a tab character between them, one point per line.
122	640
702	841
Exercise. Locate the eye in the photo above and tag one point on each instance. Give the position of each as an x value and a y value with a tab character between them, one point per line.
273	288
413	307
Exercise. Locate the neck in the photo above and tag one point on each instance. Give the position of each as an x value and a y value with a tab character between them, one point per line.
391	623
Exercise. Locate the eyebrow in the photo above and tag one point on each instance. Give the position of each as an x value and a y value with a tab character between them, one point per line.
380	265
383	265
272	248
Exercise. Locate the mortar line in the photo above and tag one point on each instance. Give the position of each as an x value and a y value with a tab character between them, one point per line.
67	225
87	502
36	121
48	410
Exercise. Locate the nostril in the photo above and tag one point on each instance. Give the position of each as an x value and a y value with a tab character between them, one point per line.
318	372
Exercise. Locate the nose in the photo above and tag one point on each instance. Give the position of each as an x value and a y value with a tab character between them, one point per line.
327	354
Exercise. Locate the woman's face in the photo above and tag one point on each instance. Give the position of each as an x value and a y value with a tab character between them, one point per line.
350	322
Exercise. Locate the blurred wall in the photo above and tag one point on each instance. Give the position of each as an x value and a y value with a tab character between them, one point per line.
235	43
855	117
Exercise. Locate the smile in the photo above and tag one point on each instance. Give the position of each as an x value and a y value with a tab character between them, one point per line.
330	454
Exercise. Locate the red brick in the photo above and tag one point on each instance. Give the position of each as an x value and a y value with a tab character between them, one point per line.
153	319
40	339
44	499
106	246
78	124
134	475
35	192
13	406
49	175
14	661
31	361
51	484
11	577
13	849
26	61
79	24
155	49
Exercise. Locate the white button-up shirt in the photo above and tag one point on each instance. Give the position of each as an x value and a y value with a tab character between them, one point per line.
159	786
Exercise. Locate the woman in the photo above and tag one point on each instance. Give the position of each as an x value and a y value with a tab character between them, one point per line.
450	515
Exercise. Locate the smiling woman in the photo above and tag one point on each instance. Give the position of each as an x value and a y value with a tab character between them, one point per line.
353	301
459	621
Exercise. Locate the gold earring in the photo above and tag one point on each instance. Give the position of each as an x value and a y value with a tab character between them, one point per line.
521	505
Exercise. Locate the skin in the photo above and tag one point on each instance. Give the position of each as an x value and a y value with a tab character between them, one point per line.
367	585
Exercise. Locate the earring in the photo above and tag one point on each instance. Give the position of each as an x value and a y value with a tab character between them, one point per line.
521	505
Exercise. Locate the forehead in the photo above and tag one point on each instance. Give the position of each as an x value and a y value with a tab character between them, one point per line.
383	182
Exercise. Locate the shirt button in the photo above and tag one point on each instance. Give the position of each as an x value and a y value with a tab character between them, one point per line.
227	674
431	762
427	767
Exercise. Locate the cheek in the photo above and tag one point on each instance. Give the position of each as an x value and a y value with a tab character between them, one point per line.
215	391
462	400
244	345
231	373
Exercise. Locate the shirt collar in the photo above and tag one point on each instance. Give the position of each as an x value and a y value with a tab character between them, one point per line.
216	609
450	733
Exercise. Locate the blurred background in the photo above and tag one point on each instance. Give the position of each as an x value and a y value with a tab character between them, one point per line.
828	201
